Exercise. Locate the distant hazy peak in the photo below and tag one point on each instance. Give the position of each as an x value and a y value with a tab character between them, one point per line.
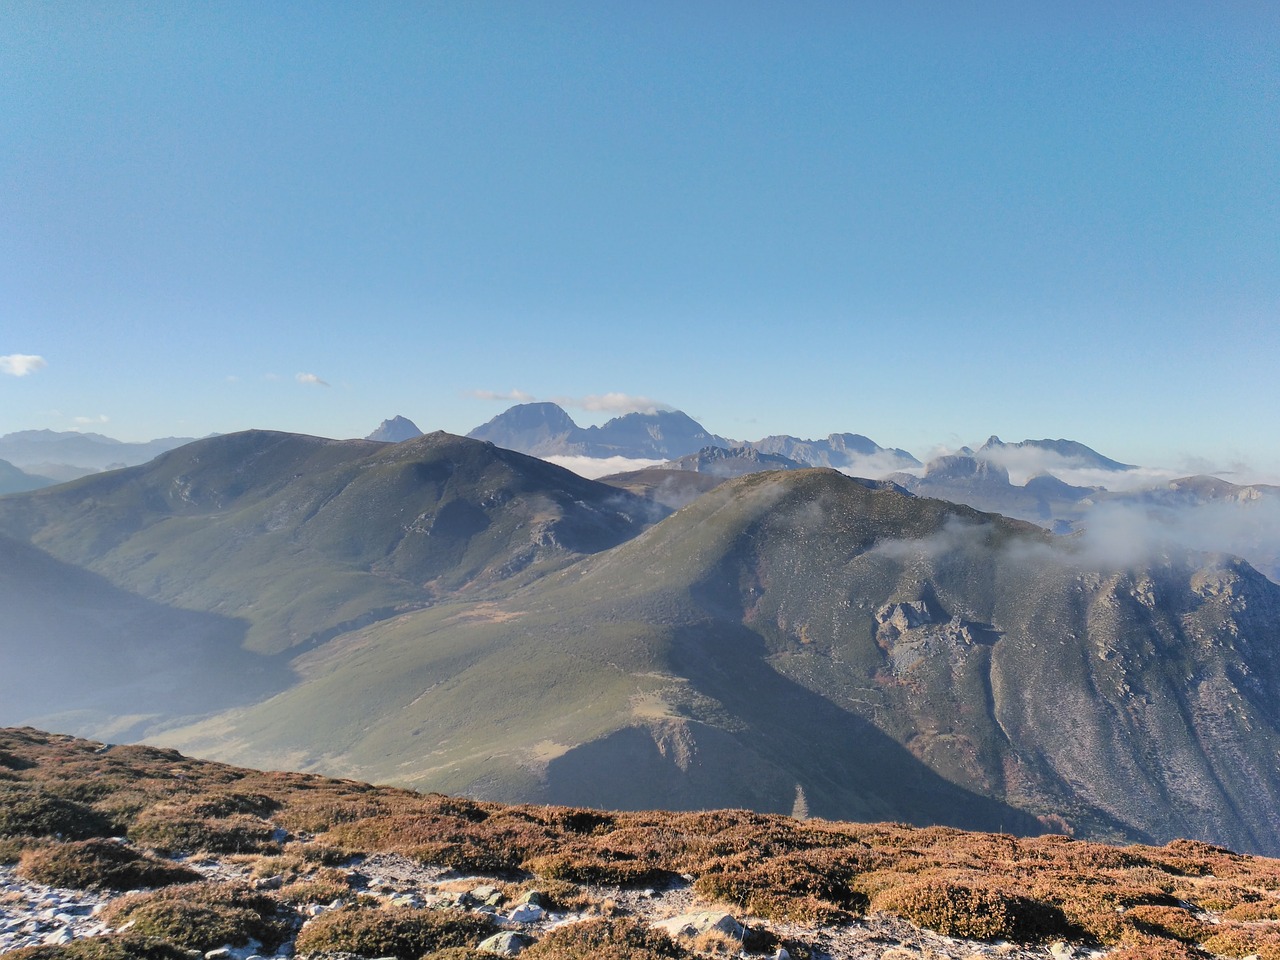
395	430
1067	449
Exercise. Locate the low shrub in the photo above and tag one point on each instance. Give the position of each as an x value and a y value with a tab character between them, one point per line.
402	932
1169	922
100	864
810	886
465	857
176	831
314	891
598	871
201	916
975	910
1152	948
624	939
27	811
1235	941
113	947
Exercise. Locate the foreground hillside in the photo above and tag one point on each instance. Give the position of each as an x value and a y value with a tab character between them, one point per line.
273	863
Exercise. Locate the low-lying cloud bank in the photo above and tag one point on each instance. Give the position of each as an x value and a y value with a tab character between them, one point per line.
593	468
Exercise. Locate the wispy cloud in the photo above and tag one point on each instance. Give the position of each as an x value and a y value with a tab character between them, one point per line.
21	364
510	396
92	421
617	403
311	380
614	403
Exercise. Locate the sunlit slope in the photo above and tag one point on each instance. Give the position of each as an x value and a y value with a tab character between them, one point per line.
305	538
891	656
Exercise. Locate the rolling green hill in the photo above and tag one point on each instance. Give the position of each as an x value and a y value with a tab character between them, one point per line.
304	538
891	656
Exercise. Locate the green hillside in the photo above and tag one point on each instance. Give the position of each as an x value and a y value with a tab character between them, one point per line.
305	538
891	656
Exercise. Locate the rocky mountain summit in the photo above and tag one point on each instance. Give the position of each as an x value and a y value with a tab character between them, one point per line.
395	430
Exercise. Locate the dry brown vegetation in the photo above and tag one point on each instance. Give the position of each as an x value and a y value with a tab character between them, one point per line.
1183	900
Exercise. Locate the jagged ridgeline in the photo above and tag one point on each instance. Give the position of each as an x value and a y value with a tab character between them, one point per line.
800	633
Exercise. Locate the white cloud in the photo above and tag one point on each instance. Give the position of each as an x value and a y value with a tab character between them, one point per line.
92	421
21	364
618	403
510	396
615	403
311	379
876	465
593	468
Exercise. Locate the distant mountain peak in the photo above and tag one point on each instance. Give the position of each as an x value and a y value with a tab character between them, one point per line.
395	430
544	429
1070	450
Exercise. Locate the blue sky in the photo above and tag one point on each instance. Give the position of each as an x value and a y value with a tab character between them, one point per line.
924	222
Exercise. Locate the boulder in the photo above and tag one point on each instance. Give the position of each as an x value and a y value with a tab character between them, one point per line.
696	924
505	944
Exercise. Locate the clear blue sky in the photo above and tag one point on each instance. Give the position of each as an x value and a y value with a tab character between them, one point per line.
925	222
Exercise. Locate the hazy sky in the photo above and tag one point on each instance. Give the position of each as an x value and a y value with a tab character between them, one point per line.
924	222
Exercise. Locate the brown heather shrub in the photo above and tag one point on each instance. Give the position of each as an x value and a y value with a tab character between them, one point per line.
100	864
402	932
457	953
558	895
599	872
201	916
464	857
11	848
114	947
623	939
975	910
810	885
1240	941
28	811
1212	893
1152	948
1172	923
318	853
314	891
177	829
1254	911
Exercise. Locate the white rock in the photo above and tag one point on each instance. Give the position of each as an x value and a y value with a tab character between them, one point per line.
696	924
526	913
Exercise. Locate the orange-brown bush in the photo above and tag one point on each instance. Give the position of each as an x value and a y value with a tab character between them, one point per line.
201	916
113	947
177	830
102	864
599	871
1241	941
28	811
401	932
981	911
1172	923
624	939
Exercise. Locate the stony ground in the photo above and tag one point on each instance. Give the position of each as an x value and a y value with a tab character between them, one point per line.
33	914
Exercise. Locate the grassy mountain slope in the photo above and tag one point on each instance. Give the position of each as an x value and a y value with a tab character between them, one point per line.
305	538
890	655
79	653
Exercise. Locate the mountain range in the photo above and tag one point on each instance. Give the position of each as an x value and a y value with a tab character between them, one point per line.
53	456
452	615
